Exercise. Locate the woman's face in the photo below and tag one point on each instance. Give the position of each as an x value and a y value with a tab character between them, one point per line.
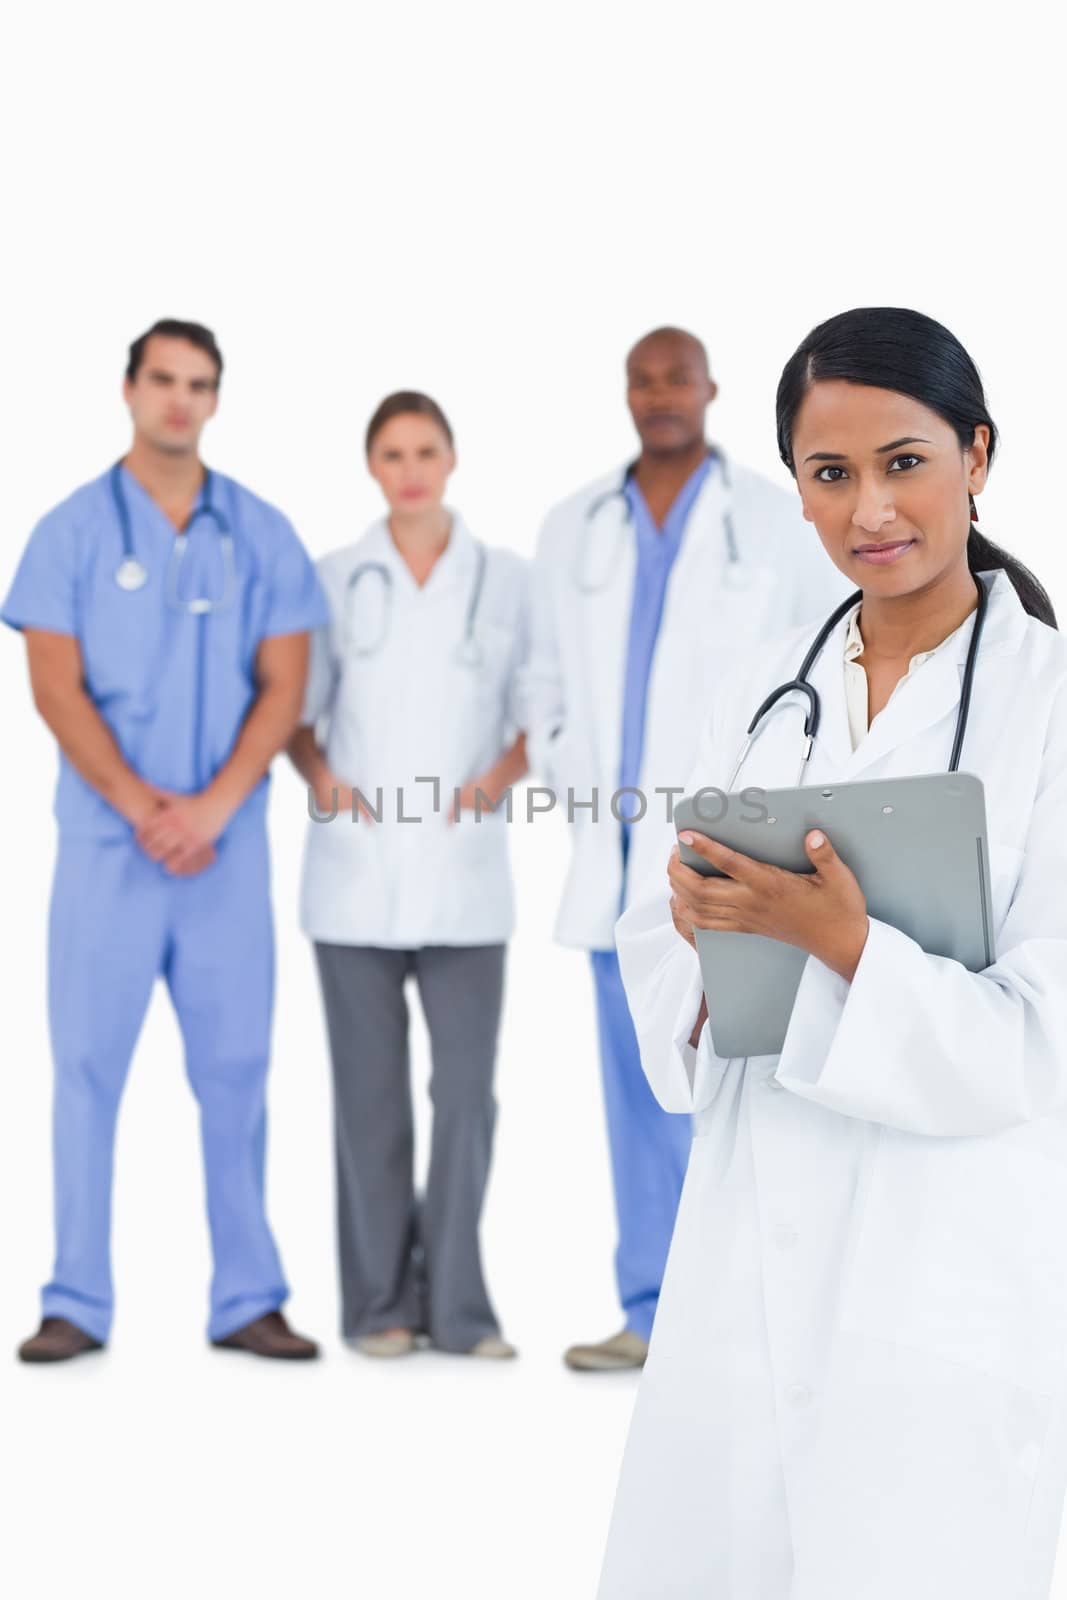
885	482
411	460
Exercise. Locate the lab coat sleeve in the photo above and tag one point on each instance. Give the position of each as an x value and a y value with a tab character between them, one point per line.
318	696
661	974
661	971
541	704
43	593
917	1041
297	603
516	706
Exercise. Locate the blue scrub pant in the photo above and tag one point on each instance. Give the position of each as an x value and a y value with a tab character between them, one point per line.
119	921
649	1152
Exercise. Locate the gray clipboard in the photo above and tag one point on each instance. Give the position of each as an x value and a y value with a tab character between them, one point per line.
918	847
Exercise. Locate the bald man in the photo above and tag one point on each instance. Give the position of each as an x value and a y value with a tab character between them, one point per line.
647	584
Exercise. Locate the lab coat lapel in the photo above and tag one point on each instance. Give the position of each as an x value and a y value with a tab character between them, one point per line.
931	694
919	701
703	547
456	562
694	620
833	747
606	570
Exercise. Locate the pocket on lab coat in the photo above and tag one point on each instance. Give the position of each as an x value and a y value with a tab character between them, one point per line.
346	888
564	766
490	679
961	1251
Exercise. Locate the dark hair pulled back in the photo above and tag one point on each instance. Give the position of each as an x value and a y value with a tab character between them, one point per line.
887	347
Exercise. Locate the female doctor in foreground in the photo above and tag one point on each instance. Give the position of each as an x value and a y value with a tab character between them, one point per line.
856	1383
412	693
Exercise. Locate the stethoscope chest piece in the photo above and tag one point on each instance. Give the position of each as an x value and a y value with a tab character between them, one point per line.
130	575
469	653
736	577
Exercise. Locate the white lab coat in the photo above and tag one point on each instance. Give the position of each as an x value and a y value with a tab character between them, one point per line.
856	1382
573	685
411	710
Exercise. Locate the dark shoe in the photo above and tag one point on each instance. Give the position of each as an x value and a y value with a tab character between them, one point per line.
57	1340
269	1336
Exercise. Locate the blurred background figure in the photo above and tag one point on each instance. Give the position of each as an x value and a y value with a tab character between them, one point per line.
646	584
412	699
166	613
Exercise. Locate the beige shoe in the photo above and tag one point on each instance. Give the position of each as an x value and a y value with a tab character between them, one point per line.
624	1350
391	1342
493	1348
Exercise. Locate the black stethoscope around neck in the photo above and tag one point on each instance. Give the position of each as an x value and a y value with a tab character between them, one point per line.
812	717
131	573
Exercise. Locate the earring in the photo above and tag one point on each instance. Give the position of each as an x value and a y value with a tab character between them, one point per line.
974	508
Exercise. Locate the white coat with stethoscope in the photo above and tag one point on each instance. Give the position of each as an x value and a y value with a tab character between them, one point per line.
414	689
747	568
856	1383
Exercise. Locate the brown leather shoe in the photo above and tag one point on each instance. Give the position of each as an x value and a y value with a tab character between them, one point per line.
57	1340
269	1336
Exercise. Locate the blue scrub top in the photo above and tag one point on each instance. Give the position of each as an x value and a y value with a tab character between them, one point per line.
657	549
174	687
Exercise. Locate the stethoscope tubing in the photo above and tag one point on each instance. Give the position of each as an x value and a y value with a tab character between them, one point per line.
617	491
468	650
813	712
131	574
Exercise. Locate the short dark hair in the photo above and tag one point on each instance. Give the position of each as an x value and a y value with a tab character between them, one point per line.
172	328
407	403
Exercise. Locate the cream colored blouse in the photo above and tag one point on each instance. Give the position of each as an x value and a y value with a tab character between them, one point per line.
856	676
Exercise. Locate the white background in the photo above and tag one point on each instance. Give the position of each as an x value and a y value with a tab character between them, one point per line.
490	203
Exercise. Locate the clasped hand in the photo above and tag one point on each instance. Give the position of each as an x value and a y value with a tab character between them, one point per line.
823	912
180	831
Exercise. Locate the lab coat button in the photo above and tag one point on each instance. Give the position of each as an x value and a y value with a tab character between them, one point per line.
799	1394
784	1236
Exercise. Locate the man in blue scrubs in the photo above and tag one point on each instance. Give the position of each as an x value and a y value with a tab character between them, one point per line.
166	613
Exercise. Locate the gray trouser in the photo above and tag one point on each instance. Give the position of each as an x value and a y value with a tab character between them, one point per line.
405	1264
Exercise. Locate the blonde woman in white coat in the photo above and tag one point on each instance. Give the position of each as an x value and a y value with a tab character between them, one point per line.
856	1383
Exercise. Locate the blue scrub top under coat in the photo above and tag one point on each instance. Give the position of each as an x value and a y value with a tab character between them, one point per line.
657	549
174	687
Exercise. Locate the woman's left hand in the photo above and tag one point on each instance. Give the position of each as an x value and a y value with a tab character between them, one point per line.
823	912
